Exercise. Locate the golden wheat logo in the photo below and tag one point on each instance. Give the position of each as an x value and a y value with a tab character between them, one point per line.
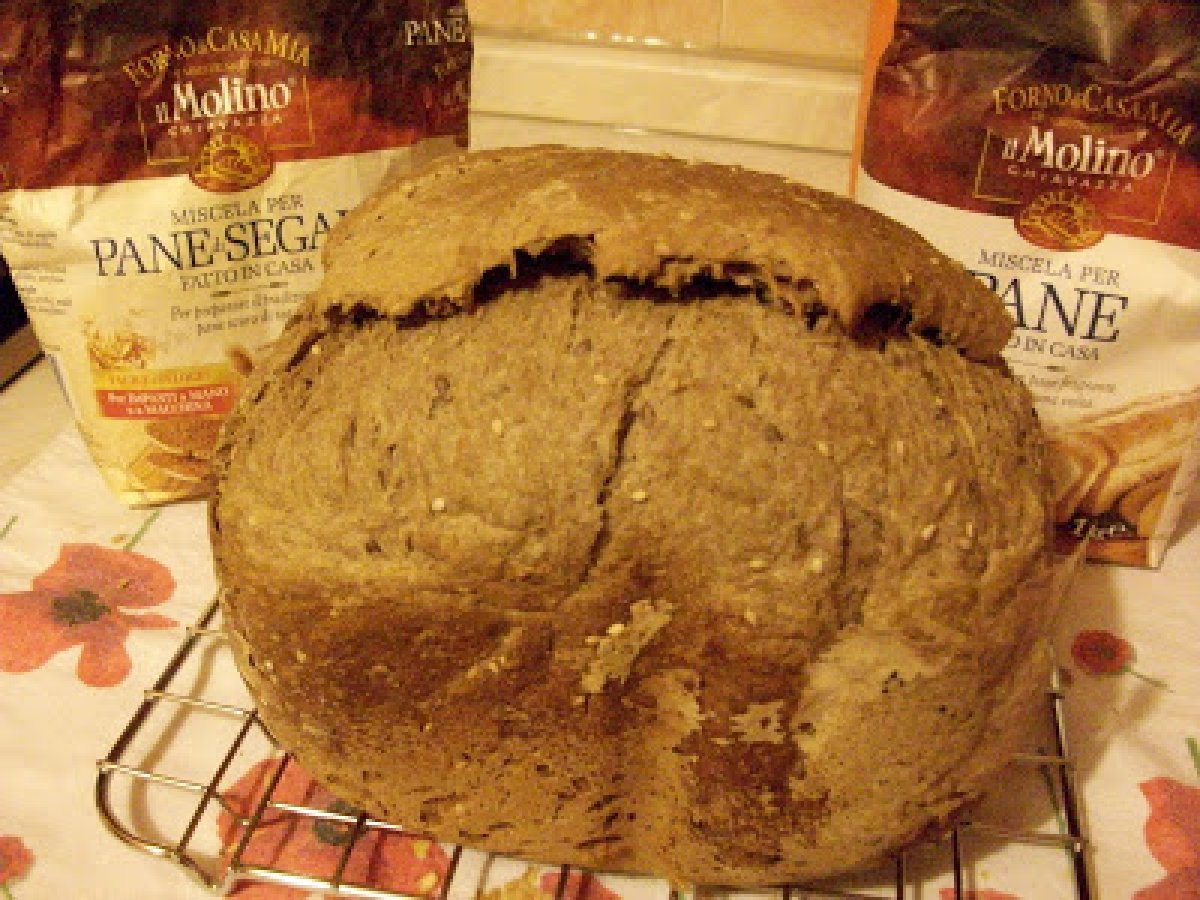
119	349
1061	220
230	162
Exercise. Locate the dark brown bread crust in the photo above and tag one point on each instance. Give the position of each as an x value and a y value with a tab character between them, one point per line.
646	560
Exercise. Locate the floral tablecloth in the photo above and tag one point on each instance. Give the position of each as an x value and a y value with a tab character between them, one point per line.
94	600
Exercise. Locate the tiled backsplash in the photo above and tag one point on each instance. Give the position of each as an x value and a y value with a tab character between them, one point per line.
823	28
766	83
690	22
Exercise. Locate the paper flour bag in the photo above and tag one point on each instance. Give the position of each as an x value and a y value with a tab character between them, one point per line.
169	172
1054	150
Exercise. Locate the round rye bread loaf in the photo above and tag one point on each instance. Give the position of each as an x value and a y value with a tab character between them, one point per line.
645	515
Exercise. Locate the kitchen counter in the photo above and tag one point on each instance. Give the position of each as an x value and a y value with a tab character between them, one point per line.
32	412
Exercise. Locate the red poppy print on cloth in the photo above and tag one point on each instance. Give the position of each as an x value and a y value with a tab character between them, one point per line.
15	860
1101	653
1173	838
85	598
386	860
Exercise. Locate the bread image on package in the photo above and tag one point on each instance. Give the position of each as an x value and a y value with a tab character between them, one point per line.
640	514
1122	467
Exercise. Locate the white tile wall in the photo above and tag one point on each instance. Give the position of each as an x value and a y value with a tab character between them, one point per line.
794	119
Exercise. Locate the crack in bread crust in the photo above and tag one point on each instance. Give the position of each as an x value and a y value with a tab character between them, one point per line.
636	213
625	421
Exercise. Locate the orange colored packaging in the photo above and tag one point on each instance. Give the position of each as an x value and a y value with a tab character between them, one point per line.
1053	148
169	173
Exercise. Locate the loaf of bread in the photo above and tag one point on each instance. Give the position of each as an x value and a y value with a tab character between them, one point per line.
645	515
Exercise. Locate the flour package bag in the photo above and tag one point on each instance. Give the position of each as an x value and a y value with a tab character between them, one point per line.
169	172
1053	148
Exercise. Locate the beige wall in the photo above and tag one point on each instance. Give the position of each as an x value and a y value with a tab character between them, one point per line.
823	28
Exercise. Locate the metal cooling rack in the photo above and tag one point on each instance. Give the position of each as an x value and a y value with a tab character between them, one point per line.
147	798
